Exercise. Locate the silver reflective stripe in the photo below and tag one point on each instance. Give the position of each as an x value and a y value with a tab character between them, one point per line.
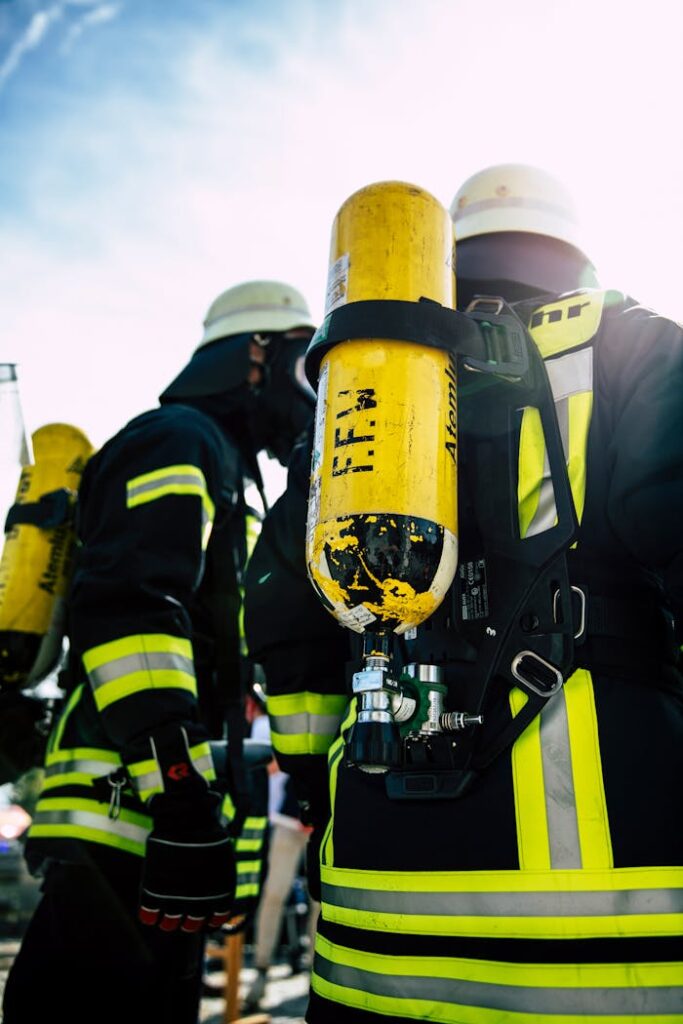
602	903
203	763
248	878
251	833
149	781
560	799
164	481
511	998
546	512
84	767
570	374
305	722
119	667
99	822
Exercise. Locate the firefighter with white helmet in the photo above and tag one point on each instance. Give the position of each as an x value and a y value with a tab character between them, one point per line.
504	845
141	852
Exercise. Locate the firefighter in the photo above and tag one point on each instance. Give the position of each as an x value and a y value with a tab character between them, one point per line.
128	832
552	887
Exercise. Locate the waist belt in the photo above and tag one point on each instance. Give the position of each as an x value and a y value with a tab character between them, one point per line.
638	626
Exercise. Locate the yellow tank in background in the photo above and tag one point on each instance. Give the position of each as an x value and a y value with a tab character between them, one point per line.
382	520
37	556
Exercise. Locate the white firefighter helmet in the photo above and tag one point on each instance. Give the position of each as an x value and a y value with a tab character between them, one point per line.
256	307
514	197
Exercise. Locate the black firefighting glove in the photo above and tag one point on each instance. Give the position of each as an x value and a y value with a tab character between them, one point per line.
188	878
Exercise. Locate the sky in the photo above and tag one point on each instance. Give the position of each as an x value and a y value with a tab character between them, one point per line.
155	152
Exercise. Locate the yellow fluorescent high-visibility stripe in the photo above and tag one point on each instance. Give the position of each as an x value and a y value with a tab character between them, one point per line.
228	807
138	643
580	409
245	867
334	760
138	682
591	804
67	803
305	743
456	991
56	737
92	835
570	880
530	468
533	843
82	754
310	703
67	779
555	904
244	889
182	479
533	975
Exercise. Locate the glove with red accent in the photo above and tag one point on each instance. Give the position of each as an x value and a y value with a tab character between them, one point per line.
189	875
188	879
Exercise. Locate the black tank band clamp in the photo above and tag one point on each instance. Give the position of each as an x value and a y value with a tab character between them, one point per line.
489	335
51	510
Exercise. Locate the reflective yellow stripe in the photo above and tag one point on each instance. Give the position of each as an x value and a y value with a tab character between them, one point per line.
304	743
148	780
252	836
248	878
571	380
580	410
136	663
137	643
58	732
305	723
334	759
71	818
453	990
183	479
554	904
78	767
527	774
560	803
532	454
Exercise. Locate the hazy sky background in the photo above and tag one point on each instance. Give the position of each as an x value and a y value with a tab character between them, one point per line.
154	152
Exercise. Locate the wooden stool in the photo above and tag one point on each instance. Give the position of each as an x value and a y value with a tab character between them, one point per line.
231	954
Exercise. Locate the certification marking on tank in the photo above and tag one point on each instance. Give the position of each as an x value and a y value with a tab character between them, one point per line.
474	594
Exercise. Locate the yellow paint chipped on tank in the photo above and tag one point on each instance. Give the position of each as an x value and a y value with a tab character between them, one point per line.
333	535
401	602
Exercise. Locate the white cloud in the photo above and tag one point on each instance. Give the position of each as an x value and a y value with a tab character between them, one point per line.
99	15
36	31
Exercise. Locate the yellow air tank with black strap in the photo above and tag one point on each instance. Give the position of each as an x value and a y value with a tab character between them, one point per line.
37	555
382	523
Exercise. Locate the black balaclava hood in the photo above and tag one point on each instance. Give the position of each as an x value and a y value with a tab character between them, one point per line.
271	415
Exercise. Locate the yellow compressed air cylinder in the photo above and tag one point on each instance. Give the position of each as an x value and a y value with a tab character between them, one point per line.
382	516
36	560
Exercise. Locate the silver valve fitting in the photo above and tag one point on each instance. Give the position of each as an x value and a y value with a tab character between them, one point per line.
455	721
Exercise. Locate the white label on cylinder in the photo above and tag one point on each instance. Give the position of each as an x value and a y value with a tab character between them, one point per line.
355	617
337	283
